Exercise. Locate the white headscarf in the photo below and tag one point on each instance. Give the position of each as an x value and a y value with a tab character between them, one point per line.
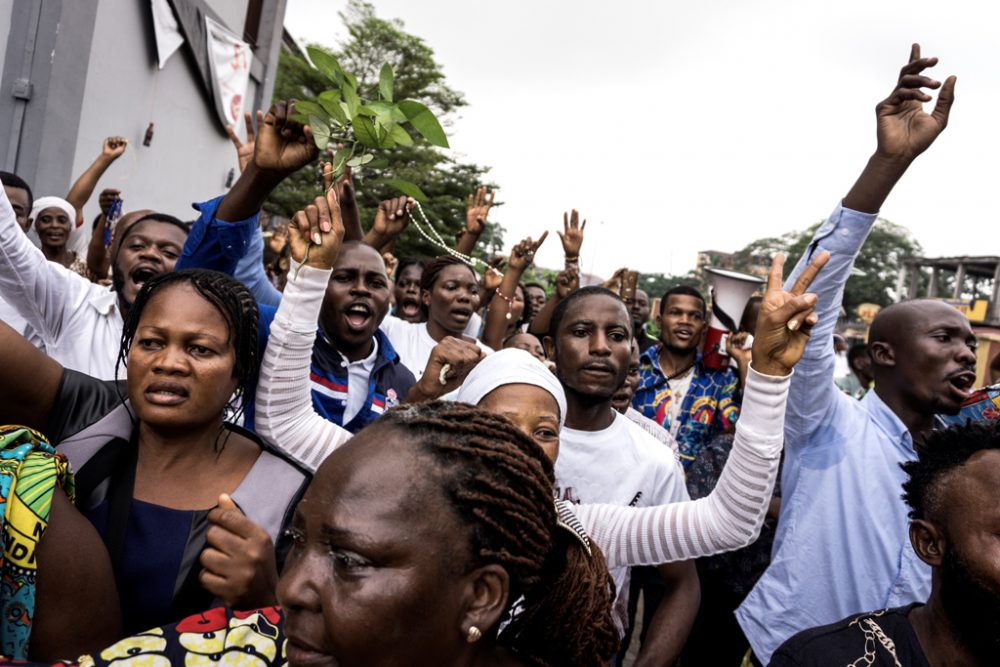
78	239
511	366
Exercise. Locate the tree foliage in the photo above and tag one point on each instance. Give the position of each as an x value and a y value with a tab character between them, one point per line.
372	43
875	271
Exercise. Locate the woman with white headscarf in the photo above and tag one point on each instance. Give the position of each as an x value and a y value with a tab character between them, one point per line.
518	386
53	224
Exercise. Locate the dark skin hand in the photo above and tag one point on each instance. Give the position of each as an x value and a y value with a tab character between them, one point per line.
477	210
281	148
904	131
566	281
497	323
391	218
238	564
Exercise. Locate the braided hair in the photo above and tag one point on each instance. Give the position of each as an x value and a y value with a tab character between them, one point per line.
500	483
434	268
233	301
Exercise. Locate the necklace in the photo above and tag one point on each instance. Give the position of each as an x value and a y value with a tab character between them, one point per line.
677	374
873	632
435	239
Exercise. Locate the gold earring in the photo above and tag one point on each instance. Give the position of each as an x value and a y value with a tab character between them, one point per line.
473	635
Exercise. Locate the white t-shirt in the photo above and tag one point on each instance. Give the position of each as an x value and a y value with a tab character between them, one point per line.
620	465
413	343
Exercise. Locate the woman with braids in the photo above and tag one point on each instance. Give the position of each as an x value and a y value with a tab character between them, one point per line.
449	289
188	505
414	545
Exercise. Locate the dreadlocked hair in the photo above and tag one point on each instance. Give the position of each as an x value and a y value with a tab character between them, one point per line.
233	301
500	483
942	452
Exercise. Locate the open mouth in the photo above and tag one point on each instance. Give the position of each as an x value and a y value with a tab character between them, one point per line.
358	315
683	334
166	393
462	314
142	274
409	308
962	383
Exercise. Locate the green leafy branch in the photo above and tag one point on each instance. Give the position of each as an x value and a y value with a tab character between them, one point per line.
363	128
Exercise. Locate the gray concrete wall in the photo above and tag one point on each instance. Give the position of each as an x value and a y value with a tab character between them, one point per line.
190	155
95	74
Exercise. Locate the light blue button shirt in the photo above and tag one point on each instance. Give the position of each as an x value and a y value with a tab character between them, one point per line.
842	545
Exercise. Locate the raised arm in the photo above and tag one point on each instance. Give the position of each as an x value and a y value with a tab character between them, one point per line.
731	516
29	381
284	410
476	213
391	218
566	281
904	131
497	315
228	230
83	188
42	292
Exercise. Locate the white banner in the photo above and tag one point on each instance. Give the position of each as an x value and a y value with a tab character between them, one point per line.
168	33
229	59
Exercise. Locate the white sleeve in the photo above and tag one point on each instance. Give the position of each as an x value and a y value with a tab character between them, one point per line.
284	411
39	290
729	518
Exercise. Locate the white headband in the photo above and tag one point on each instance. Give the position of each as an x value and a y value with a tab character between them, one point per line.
511	366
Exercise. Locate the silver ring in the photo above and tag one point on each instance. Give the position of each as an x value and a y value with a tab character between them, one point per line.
444	372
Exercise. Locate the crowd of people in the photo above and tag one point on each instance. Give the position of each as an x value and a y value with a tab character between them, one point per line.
295	448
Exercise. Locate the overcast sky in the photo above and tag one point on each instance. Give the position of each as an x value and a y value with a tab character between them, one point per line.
677	127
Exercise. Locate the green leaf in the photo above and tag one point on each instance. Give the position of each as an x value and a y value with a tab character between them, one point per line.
378	163
309	108
360	160
352	100
380	110
397	114
400	136
330	101
325	63
300	118
424	122
385	82
321	132
407	188
340	159
364	130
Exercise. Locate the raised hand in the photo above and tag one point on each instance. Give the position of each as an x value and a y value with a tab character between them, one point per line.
450	361
245	149
278	239
478	209
238	561
785	320
107	198
283	146
113	148
321	224
391	264
567	281
491	279
572	235
523	253
905	130
392	217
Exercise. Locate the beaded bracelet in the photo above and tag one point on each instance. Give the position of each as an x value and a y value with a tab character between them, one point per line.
509	300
